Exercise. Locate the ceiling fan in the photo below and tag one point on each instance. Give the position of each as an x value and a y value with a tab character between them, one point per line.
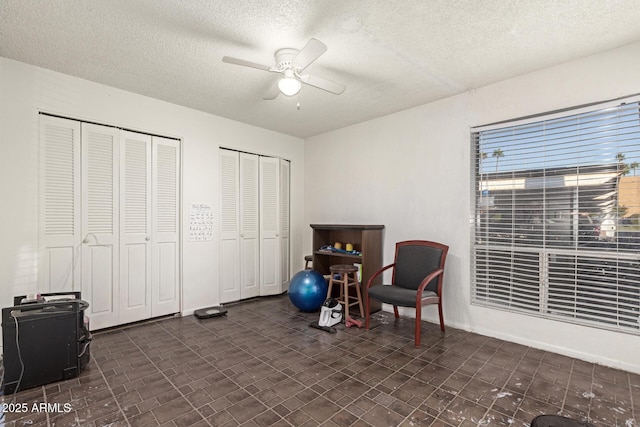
290	63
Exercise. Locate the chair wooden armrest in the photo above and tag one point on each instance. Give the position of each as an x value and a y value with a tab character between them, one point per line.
424	284
378	273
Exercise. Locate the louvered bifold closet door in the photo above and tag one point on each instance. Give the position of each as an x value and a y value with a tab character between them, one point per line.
285	171
59	205
135	227
165	298
100	223
270	268
229	226
249	226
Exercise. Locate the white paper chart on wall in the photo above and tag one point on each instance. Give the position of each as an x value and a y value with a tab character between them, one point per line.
200	222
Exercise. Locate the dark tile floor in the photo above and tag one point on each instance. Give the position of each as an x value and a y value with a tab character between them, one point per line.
262	365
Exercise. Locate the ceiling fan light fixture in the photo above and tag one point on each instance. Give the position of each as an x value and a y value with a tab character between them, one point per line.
289	86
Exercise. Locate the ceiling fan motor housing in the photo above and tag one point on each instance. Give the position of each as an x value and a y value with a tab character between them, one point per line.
284	58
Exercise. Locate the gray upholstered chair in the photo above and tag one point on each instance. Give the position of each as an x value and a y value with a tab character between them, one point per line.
418	270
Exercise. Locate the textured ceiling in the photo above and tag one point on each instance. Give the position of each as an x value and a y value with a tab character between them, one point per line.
390	55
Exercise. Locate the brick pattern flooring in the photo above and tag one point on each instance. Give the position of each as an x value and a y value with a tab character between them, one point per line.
262	365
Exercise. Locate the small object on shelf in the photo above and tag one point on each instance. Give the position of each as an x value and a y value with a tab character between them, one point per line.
359	265
333	249
349	247
337	245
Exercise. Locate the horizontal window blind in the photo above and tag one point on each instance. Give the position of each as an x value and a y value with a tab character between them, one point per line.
556	230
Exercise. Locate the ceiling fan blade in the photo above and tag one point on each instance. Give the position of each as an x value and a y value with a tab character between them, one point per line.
273	92
324	84
312	50
244	63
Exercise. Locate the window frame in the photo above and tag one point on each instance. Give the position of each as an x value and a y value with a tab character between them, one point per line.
547	293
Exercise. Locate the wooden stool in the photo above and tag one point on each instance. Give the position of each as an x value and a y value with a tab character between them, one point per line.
346	270
307	260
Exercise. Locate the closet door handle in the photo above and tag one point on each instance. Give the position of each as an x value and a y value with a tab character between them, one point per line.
147	238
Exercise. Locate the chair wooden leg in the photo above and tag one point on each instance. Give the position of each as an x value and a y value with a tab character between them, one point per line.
418	325
395	311
441	317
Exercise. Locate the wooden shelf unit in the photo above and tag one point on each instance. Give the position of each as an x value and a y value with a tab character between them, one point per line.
366	239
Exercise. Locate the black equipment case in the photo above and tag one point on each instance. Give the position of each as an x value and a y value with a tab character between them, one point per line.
44	341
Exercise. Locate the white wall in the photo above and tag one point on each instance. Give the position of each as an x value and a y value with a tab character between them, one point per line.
25	90
411	172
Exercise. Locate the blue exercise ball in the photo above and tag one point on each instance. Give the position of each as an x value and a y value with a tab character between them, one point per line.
308	290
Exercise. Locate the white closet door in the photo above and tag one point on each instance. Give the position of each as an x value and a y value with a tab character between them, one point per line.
284	223
135	227
270	256
59	205
165	277
229	226
249	226
100	225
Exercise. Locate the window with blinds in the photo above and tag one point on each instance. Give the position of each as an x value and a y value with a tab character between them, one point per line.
556	210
